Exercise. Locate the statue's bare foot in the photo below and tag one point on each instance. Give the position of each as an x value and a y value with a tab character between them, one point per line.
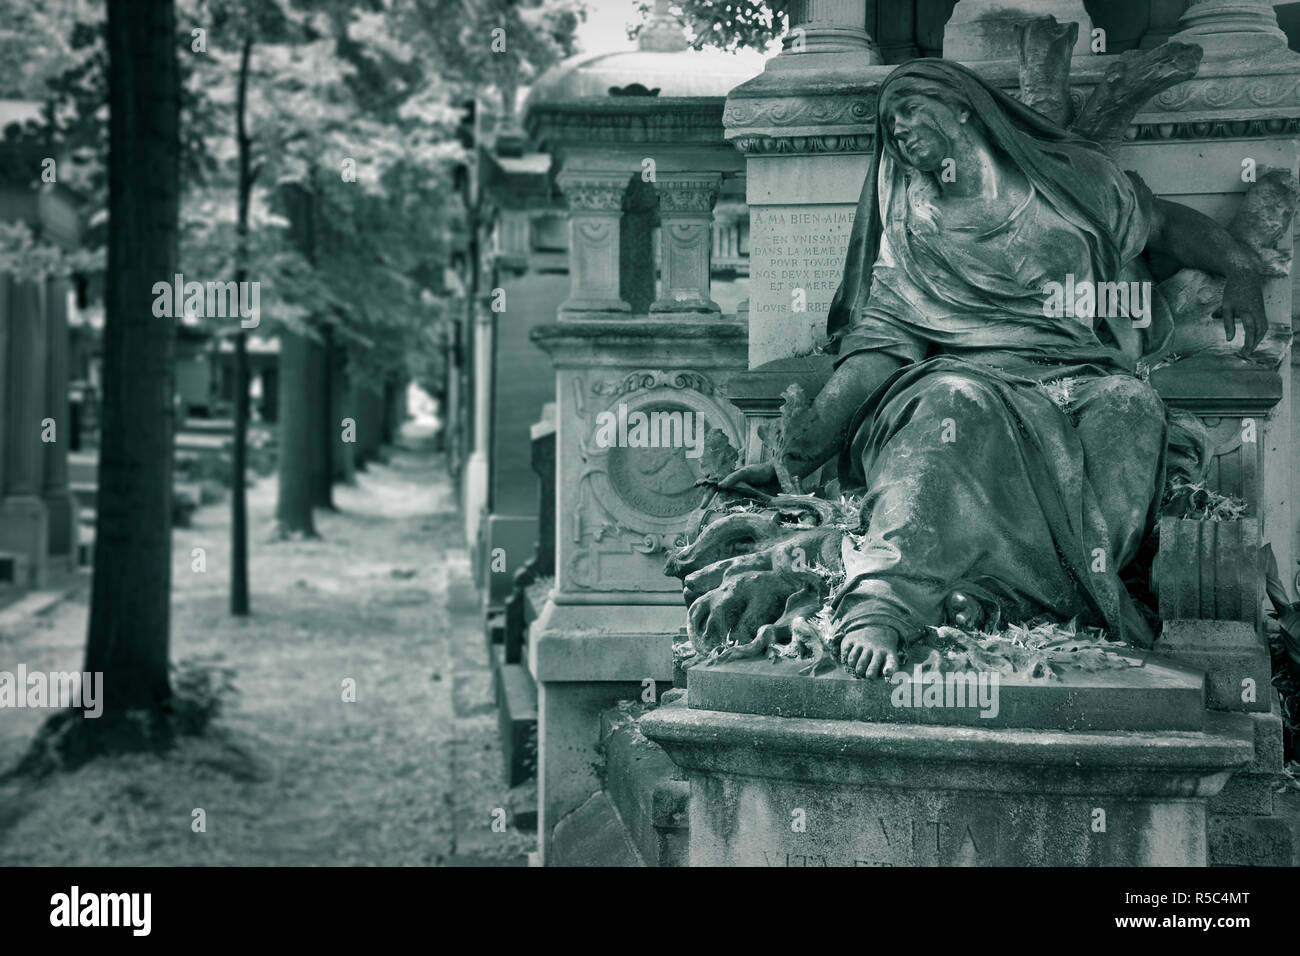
870	652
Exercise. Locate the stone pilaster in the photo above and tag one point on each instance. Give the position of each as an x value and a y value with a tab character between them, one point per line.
59	504
686	233
826	33
23	524
595	218
1231	27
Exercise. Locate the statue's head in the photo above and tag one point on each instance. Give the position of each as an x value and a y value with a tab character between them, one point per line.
924	116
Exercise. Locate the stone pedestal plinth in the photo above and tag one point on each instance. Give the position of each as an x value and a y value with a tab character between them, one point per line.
905	789
686	219
595	218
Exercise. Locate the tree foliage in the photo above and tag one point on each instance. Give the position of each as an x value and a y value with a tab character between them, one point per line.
727	24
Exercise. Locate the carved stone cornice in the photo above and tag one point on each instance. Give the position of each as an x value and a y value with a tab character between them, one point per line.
828	143
630	119
834	113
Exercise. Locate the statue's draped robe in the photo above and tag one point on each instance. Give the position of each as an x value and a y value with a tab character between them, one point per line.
1015	457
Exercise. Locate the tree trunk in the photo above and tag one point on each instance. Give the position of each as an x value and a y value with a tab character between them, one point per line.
343	460
327	427
301	416
239	451
293	510
128	632
368	426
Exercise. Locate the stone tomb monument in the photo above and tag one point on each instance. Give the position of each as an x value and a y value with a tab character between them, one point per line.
949	654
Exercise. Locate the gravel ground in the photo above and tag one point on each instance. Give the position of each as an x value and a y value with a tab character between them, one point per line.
408	774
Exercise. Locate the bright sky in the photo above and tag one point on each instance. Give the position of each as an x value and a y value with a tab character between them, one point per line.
606	28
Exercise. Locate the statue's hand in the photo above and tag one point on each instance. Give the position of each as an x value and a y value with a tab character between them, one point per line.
1243	300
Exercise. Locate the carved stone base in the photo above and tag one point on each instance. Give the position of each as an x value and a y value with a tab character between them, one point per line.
777	791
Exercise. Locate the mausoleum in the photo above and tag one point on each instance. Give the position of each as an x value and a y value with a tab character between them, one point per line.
1173	755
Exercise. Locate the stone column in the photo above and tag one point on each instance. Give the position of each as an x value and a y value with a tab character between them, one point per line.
23	523
1231	27
1163	23
686	233
595	217
59	505
827	33
987	29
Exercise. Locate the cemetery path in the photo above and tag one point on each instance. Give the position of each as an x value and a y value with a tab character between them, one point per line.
407	774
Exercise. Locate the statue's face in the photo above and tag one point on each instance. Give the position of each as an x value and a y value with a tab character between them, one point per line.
924	129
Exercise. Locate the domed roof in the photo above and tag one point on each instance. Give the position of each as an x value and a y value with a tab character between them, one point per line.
684	73
664	66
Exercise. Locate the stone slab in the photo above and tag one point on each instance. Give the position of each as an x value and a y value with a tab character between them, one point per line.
516	698
796	258
1157	696
601	642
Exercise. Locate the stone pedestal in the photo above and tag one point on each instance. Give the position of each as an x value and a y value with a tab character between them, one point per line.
606	632
770	787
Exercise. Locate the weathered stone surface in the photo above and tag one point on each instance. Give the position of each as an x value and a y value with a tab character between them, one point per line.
593	835
1268	739
1159	696
648	790
791	791
572	642
1235	662
1207	569
1245	794
1254	841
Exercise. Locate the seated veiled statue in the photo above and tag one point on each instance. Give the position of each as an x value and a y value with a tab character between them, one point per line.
987	403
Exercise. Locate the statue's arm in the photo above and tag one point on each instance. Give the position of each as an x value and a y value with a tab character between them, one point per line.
1196	241
824	430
